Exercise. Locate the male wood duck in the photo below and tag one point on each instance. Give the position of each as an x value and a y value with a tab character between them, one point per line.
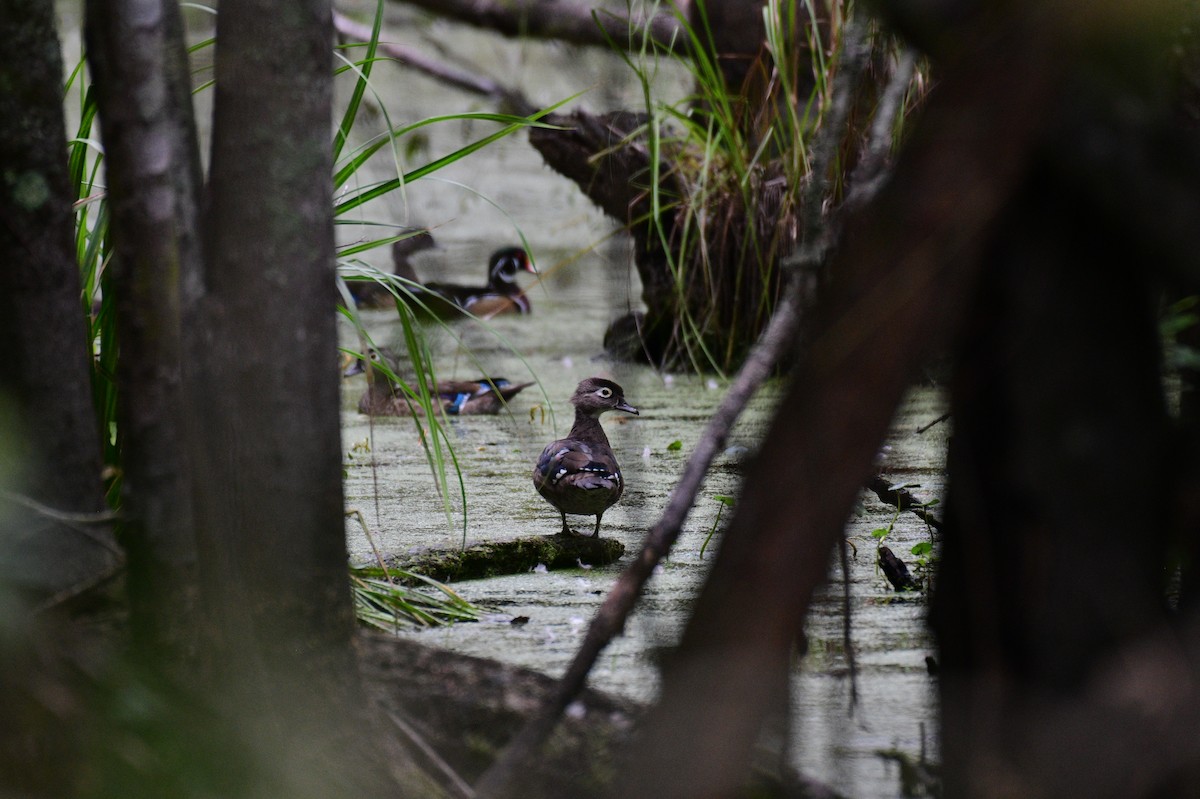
579	474
384	397
373	294
500	295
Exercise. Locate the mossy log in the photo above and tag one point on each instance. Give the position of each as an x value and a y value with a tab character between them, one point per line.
497	558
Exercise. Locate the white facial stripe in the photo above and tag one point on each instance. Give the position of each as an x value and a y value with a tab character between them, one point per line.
506	270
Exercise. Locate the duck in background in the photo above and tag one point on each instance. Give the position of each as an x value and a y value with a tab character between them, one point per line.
500	294
384	397
373	294
579	474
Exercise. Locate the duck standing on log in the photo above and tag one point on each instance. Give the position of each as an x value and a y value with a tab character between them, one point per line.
579	474
384	397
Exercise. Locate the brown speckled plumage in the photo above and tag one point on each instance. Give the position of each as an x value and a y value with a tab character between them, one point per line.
579	474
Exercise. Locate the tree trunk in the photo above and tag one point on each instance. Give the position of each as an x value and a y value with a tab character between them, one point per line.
45	371
139	64
268	456
49	441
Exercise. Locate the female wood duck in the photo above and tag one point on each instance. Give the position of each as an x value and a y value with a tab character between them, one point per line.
500	295
579	474
384	397
373	294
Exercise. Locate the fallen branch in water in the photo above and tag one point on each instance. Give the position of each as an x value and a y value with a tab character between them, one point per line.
936	421
564	21
901	498
511	98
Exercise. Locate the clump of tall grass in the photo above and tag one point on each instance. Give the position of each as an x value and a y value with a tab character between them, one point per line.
738	159
389	606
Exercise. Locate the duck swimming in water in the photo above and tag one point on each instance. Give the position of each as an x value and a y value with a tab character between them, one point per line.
501	293
385	397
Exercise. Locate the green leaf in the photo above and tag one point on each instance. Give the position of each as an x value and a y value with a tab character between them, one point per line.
724	499
921	549
675	446
880	532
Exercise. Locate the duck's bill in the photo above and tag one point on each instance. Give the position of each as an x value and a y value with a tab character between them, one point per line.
352	365
625	406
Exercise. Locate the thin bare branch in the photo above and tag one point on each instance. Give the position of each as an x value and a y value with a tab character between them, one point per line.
450	779
852	61
869	173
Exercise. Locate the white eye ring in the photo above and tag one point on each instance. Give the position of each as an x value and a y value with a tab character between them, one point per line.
605	392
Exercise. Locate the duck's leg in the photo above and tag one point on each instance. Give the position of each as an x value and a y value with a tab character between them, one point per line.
566	530
596	532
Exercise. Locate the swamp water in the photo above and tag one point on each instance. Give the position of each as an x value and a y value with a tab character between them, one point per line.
587	279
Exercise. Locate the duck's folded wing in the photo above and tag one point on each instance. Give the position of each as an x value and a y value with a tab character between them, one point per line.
574	464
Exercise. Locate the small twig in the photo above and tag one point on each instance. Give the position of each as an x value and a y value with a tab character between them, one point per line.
80	588
847	642
78	522
93	517
452	782
356	513
868	175
850	67
936	421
